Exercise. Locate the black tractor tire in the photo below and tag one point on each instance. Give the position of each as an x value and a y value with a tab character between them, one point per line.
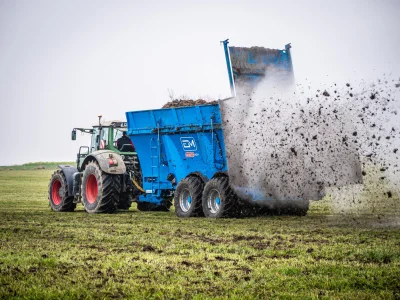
219	200
147	206
124	202
100	191
58	190
188	197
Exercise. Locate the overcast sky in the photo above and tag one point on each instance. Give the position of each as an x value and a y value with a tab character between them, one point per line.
64	62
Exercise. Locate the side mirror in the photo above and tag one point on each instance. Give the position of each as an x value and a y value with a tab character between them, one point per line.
97	139
73	135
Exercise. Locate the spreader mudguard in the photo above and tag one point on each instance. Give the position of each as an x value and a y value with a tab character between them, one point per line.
68	173
103	158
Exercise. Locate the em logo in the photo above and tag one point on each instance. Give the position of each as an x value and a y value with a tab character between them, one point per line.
188	144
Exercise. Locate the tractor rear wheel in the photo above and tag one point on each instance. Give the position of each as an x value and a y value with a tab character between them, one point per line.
58	193
100	191
219	200
187	200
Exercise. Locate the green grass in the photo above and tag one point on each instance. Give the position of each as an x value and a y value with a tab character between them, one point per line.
36	166
156	255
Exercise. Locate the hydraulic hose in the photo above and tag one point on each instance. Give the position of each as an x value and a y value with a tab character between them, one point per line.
137	185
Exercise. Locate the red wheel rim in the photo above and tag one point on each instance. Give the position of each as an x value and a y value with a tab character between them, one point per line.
91	189
55	192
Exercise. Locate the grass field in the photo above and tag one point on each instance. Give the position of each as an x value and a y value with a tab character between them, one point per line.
36	166
133	254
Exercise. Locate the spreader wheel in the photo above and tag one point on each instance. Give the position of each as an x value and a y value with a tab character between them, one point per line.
58	193
219	200
100	191
187	200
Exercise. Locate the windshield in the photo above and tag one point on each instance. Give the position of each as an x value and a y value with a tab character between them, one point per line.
93	142
118	133
99	142
104	137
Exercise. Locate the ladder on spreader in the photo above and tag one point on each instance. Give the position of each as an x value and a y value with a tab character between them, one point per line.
155	155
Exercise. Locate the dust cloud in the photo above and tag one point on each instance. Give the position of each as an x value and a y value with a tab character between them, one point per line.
286	144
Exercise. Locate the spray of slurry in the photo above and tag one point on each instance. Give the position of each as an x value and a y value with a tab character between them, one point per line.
285	145
374	109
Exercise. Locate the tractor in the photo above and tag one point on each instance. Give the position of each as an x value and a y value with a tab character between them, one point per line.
105	178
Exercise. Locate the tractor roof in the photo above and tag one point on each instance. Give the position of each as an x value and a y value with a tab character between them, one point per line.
114	123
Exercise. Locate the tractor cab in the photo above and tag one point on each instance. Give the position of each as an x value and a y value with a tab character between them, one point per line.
105	136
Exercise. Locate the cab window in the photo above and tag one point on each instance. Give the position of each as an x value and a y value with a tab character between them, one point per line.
99	142
104	138
94	137
117	135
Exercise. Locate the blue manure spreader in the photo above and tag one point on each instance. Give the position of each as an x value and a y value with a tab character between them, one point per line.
182	156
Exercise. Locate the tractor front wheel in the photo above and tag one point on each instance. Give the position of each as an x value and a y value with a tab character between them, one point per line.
100	191
58	193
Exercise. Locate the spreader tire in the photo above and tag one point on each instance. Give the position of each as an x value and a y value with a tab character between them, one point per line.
100	191
58	190
188	195
219	200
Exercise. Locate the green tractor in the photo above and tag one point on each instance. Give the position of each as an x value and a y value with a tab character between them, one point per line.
106	177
